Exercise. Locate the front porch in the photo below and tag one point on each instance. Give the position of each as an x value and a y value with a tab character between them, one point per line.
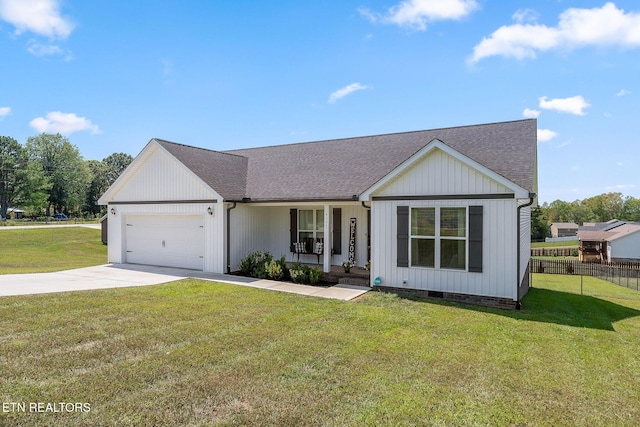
314	234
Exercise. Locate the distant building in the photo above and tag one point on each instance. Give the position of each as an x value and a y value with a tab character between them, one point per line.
564	229
15	213
612	241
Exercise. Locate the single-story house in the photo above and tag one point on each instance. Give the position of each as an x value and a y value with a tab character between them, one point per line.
443	212
564	229
613	241
15	213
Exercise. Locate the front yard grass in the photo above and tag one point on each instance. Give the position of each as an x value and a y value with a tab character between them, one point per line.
564	244
200	353
50	249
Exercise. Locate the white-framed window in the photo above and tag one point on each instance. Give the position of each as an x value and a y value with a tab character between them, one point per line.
310	227
439	237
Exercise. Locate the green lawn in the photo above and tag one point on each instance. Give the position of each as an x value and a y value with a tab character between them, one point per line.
567	244
199	353
50	249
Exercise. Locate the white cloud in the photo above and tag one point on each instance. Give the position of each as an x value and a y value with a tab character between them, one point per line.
545	135
341	93
4	111
623	92
531	114
416	13
37	16
525	15
64	123
605	26
573	105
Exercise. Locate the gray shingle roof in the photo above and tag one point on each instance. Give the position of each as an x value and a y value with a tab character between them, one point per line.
341	168
225	173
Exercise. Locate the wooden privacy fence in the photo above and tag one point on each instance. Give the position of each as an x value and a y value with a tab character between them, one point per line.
623	274
553	251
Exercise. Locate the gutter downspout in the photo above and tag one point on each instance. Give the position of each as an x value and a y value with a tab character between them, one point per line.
529	203
233	206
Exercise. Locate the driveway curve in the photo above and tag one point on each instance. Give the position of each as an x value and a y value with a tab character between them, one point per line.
127	275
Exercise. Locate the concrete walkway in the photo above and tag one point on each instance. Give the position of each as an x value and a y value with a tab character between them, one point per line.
127	275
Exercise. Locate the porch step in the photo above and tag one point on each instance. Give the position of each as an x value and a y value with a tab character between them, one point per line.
355	281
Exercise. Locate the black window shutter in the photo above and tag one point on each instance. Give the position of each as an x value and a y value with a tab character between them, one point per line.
293	218
337	231
475	239
403	236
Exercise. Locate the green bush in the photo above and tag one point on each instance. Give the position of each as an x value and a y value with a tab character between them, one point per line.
255	264
262	265
299	273
274	270
249	262
314	275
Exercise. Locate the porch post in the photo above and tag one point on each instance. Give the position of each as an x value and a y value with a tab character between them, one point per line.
326	258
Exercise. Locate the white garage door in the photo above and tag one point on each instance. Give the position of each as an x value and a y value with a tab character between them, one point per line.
165	240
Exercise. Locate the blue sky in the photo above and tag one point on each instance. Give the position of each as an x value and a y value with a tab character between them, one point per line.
111	75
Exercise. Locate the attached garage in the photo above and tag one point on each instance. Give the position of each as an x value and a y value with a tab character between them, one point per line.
165	240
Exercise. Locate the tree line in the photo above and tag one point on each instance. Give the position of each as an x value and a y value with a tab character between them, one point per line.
601	208
48	175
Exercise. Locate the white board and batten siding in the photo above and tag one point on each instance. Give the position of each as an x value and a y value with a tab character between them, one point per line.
174	204
266	228
160	176
439	174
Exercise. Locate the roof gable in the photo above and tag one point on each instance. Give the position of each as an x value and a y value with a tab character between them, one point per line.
157	175
439	169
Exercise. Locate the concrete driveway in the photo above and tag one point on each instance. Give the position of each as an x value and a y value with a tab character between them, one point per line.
126	275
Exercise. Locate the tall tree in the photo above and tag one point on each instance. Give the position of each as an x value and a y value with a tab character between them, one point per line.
604	207
104	173
22	183
64	167
539	224
98	185
116	163
631	210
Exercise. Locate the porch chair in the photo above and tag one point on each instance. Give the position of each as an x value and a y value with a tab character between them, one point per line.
319	250
301	248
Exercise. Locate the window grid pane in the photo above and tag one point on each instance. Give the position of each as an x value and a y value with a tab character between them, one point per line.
453	254
423	222
305	220
453	222
320	220
423	252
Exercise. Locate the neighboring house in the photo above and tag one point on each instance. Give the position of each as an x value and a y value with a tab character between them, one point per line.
564	229
612	241
441	212
15	213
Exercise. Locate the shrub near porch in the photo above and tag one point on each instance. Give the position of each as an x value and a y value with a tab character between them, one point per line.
262	265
